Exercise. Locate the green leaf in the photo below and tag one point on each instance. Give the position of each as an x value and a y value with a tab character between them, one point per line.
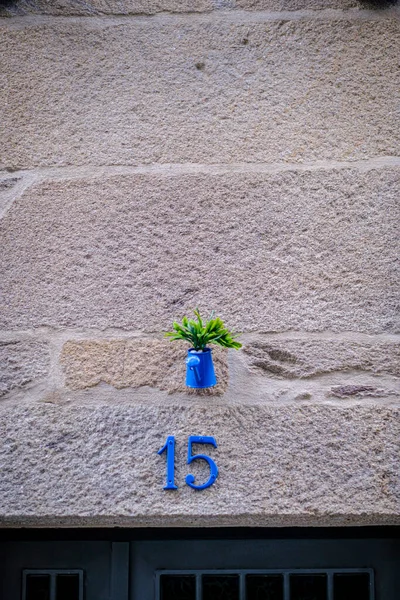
199	334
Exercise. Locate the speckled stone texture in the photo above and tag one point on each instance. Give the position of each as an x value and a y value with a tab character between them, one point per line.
75	465
102	7
22	364
293	358
150	7
298	4
361	391
296	250
157	156
207	90
6	184
134	363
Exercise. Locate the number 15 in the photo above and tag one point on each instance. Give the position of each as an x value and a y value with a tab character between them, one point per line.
169	448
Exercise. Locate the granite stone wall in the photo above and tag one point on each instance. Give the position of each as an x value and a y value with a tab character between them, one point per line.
242	156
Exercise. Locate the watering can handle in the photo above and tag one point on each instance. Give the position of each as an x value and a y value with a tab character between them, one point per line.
193	364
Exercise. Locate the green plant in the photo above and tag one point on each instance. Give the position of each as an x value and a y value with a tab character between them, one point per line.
199	334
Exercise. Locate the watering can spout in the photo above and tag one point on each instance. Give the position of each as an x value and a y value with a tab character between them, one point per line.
193	363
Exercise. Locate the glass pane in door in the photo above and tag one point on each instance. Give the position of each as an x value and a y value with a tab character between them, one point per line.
347	586
308	587
264	587
220	587
67	587
177	587
37	587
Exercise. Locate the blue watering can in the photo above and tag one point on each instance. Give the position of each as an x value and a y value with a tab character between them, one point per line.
200	369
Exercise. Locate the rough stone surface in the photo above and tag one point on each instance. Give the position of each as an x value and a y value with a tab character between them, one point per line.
311	4
102	7
360	391
204	90
303	358
150	7
22	364
7	183
134	363
7	186
294	250
278	466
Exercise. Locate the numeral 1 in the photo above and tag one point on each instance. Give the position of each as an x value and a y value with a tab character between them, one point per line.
169	448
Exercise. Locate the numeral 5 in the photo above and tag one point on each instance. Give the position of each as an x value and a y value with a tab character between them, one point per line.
200	439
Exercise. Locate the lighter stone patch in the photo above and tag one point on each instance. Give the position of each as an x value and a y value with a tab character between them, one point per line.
135	363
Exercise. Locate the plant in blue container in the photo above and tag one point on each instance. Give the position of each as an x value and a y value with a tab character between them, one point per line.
199	365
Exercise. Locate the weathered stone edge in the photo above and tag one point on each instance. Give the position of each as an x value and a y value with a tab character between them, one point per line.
182	520
38	174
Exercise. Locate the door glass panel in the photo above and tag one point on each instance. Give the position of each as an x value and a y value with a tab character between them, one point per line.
308	587
347	586
37	587
264	587
220	587
261	585
67	587
177	587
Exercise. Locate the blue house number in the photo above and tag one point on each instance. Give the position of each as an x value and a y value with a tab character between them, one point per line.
169	448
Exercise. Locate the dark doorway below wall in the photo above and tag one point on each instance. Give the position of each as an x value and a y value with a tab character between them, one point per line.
201	564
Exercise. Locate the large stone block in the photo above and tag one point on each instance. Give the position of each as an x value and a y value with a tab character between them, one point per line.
134	363
310	250
98	465
303	358
205	90
22	364
102	7
150	7
129	252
